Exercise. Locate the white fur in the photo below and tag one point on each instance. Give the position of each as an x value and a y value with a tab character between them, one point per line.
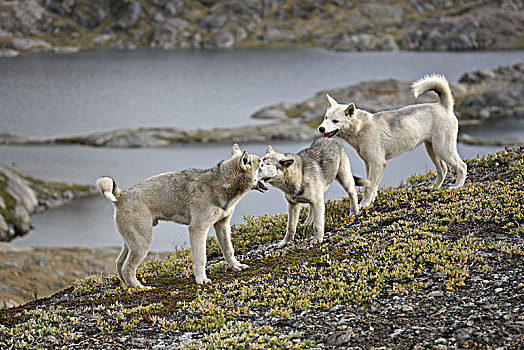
388	134
193	197
106	186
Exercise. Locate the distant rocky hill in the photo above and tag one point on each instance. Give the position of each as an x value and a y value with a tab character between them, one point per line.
68	25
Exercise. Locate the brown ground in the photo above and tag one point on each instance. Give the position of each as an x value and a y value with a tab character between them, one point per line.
27	273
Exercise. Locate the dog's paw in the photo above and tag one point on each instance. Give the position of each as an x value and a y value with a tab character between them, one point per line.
363	205
138	287
202	280
239	267
283	243
317	240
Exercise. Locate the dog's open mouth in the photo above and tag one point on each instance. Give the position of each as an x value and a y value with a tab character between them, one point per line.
261	185
330	134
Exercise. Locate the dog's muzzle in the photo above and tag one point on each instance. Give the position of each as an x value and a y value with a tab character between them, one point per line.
261	186
329	134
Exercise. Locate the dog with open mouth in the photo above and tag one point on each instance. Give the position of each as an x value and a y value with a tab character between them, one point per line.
385	135
305	176
199	198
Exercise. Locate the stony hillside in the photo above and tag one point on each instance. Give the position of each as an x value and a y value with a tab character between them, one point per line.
421	269
67	25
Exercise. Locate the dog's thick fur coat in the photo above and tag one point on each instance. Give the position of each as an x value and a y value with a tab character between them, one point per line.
386	135
194	197
305	176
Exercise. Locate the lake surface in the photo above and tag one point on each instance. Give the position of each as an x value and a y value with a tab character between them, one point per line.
64	95
48	95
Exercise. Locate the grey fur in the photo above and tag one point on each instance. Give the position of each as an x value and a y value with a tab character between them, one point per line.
194	197
386	135
305	176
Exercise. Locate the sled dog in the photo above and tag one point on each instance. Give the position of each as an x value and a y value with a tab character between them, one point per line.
388	134
305	176
194	197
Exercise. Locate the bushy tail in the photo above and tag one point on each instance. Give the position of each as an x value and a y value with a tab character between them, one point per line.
361	182
109	188
437	83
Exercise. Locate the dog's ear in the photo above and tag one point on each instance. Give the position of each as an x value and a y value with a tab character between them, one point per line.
332	101
244	161
350	111
270	150
286	163
235	151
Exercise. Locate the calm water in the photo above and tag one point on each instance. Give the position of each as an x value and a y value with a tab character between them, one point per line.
47	95
50	95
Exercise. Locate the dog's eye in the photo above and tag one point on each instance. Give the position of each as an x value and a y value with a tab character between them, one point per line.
335	121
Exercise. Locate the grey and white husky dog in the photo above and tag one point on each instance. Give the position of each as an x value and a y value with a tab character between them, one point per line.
194	197
305	176
385	135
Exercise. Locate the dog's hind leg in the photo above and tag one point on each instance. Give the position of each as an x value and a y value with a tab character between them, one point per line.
310	218
138	247
223	232
137	232
120	262
292	221
197	237
447	151
345	178
441	166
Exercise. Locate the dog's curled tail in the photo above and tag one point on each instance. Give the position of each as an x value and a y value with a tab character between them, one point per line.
437	83
109	188
361	182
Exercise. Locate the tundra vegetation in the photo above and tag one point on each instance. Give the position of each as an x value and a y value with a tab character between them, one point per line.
439	256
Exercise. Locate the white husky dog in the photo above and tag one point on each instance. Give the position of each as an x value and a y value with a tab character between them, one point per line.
194	197
305	176
388	134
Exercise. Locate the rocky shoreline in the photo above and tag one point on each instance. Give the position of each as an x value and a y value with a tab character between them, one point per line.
21	196
480	97
290	130
70	25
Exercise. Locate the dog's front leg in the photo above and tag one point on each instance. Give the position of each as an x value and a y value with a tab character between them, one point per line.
223	231
375	172
197	237
318	208
292	221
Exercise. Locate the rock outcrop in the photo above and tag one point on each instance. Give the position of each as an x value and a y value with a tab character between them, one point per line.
21	196
479	96
340	25
17	202
293	130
